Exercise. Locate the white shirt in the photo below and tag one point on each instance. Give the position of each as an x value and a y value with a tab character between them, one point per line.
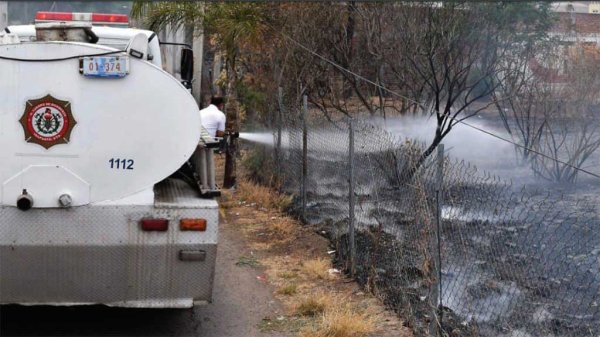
212	119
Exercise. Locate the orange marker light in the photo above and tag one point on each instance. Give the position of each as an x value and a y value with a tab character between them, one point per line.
192	225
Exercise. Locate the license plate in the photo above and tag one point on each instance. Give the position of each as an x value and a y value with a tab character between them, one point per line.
104	66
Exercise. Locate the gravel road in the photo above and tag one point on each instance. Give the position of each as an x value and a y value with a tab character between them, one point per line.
240	303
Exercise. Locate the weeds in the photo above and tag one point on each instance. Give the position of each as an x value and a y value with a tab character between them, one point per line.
314	304
287	275
317	268
262	196
302	280
248	261
284	227
288	290
341	322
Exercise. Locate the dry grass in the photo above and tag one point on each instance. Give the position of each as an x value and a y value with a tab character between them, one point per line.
226	201
318	304
346	323
341	322
284	227
317	268
261	246
248	261
262	196
288	290
287	275
314	304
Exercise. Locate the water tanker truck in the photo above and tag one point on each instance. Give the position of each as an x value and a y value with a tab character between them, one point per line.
93	134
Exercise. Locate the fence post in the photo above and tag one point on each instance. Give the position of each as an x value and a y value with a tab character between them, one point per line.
304	155
435	328
351	196
279	121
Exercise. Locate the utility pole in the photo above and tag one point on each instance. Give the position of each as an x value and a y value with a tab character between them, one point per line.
198	48
3	14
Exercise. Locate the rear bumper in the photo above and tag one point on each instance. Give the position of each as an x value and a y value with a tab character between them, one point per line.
99	255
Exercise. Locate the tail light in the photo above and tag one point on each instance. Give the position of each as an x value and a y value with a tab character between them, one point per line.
192	225
97	18
155	225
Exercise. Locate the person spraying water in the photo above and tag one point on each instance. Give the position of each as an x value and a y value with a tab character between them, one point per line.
212	117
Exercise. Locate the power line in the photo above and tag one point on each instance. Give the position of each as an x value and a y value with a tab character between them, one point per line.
346	70
420	105
531	150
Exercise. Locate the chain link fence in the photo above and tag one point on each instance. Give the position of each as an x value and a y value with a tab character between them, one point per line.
455	251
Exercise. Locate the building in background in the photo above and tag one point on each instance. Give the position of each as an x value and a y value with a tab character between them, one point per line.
578	31
578	21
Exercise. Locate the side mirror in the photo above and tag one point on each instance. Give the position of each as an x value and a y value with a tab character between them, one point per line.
138	46
187	67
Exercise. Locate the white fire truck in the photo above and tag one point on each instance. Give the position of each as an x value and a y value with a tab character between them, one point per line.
93	136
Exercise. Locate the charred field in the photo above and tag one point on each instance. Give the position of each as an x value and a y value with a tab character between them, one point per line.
515	261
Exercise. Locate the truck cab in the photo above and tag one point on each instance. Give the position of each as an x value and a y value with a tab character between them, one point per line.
112	30
94	136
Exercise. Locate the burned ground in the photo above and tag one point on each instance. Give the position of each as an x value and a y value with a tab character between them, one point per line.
515	261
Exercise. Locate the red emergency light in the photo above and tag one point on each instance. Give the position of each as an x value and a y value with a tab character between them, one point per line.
155	225
53	16
96	18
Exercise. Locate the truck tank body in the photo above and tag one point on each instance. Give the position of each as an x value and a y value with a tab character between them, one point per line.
96	251
126	134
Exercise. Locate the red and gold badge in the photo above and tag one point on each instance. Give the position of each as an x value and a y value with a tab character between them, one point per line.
47	121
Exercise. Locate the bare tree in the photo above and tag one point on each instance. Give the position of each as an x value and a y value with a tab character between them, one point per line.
450	54
572	134
329	44
434	59
520	99
570	140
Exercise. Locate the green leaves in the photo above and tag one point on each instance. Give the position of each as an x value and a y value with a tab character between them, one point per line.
158	15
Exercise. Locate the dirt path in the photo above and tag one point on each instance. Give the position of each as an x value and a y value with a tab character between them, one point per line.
318	300
241	300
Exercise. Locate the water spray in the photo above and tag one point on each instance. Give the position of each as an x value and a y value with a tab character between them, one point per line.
265	138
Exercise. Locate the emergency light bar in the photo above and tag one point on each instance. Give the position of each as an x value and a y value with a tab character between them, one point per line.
96	18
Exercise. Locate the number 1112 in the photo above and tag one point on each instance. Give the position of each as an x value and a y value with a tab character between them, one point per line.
121	164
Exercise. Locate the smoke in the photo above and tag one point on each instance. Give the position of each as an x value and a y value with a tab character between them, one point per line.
463	142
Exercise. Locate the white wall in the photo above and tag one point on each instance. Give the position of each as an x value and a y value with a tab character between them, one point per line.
3	14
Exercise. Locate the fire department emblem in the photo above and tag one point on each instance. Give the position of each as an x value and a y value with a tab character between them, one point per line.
47	121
